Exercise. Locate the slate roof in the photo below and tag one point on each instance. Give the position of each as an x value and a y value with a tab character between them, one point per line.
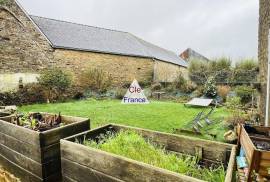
66	35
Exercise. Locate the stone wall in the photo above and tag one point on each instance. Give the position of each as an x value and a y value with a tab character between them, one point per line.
264	25
167	72
22	47
123	69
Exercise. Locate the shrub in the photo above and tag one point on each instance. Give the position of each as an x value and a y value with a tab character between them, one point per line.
95	79
245	93
180	82
234	105
29	94
198	92
223	91
245	72
198	71
190	87
221	69
120	93
210	89
54	81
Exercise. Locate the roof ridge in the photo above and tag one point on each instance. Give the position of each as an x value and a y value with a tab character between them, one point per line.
65	21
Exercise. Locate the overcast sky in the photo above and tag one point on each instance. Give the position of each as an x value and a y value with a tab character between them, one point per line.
213	28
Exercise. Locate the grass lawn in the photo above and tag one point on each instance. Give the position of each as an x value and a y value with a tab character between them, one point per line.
160	116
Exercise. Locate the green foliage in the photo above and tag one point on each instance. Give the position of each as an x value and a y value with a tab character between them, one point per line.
3	2
236	116
120	93
221	69
198	71
95	79
233	103
210	88
183	85
54	81
245	93
245	72
29	94
132	145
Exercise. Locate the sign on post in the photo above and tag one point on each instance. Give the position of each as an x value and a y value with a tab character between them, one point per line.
135	95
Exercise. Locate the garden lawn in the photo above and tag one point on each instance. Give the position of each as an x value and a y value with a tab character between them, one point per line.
159	116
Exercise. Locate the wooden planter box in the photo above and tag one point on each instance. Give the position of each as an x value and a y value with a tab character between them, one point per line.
258	160
81	163
35	156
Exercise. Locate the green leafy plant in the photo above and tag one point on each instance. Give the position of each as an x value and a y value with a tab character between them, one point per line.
198	71
245	93
132	145
210	89
237	116
245	72
95	79
54	81
221	70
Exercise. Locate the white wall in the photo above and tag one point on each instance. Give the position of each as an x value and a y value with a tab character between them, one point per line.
11	81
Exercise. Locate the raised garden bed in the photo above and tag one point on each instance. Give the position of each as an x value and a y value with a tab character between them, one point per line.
84	163
34	155
255	143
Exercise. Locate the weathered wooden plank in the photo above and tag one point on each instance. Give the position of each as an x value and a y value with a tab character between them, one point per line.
68	179
19	172
72	169
93	134
20	133
183	144
31	151
22	161
54	135
265	155
231	166
122	168
265	163
57	177
50	152
247	144
51	167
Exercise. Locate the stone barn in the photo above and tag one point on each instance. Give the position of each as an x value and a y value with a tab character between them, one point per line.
30	44
264	25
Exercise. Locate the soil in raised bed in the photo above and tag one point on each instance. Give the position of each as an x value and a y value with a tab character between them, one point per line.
264	138
132	145
37	121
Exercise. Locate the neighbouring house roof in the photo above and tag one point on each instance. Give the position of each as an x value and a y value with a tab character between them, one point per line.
73	36
190	54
